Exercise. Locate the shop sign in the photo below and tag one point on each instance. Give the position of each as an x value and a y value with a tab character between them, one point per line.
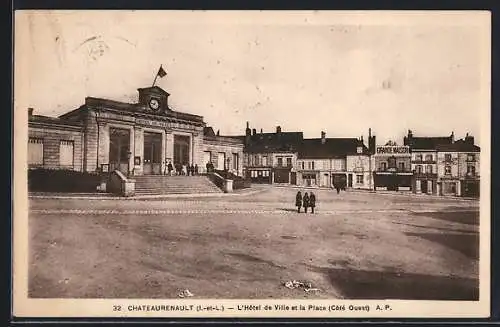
393	150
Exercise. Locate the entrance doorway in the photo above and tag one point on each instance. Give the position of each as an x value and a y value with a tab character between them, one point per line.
181	149
423	186
152	153
119	148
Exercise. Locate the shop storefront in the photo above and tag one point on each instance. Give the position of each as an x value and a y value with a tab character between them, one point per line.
392	168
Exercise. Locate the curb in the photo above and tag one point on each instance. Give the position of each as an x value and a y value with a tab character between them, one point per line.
140	197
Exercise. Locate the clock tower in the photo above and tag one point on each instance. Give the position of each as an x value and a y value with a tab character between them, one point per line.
155	99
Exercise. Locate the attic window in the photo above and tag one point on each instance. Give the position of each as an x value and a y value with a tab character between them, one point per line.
359	150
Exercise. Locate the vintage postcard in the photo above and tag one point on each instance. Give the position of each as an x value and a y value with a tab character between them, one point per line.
251	164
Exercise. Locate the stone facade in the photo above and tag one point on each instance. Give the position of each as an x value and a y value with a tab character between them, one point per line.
134	138
225	153
50	133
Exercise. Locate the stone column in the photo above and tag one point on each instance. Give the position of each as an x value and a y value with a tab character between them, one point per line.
103	149
170	145
163	166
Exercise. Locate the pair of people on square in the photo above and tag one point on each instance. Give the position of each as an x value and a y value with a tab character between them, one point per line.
306	201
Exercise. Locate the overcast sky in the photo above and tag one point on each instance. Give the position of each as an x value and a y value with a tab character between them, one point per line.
305	71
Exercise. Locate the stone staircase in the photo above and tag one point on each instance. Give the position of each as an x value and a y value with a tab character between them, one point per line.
159	184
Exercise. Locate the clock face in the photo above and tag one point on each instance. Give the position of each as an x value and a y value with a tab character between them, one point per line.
154	104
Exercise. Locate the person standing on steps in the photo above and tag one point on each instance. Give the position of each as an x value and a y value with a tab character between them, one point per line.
305	202
298	201
170	168
312	201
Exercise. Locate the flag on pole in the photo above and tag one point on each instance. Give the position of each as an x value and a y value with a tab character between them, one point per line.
161	72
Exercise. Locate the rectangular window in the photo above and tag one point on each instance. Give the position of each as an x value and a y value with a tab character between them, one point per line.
470	157
303	165
280	161
419	169
235	161
312	165
66	154
35	151
428	157
447	170
471	170
383	166
266	173
418	157
289	162
391	162
359	179
428	169
447	157
264	161
401	166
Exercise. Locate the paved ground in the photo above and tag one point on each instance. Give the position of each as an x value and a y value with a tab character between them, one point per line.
359	245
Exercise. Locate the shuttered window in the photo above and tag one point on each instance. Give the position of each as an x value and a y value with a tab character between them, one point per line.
66	154
35	151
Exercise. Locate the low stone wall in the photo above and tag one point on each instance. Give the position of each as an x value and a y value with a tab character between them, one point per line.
63	181
120	184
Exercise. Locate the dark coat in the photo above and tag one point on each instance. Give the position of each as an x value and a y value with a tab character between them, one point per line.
312	200
298	200
305	201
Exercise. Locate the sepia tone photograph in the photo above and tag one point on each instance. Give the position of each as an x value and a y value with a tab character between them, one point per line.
305	158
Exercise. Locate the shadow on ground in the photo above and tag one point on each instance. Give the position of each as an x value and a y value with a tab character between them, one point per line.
364	284
463	217
467	244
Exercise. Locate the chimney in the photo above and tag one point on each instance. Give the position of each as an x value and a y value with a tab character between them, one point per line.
218	134
278	129
452	137
254	131
469	139
261	131
323	139
30	112
247	130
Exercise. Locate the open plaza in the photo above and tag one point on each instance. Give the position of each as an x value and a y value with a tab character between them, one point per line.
254	244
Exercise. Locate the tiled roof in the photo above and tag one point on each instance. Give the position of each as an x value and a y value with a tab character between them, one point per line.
53	121
274	142
459	146
331	148
427	143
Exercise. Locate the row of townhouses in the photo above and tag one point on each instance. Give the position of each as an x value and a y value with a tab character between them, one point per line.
142	138
430	165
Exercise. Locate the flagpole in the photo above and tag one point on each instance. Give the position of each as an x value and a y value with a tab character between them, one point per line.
156	76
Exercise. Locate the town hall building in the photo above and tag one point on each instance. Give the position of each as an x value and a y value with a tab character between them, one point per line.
135	138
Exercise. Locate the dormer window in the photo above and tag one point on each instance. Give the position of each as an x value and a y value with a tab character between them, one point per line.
359	150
